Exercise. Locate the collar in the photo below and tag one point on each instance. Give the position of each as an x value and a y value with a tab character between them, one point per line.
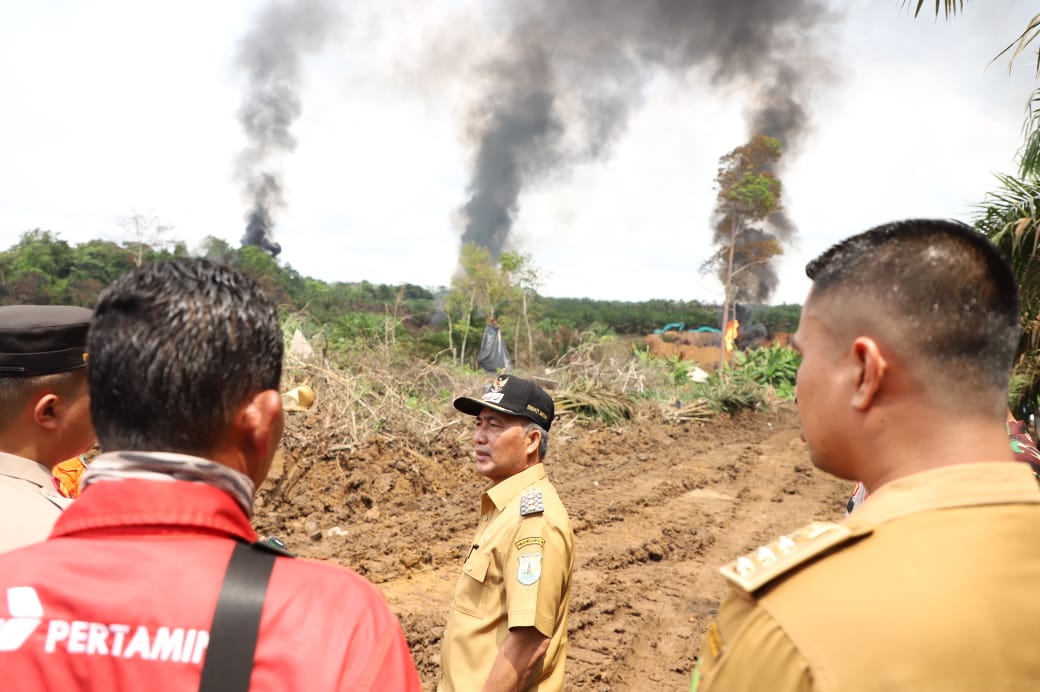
958	485
167	506
504	492
169	466
25	469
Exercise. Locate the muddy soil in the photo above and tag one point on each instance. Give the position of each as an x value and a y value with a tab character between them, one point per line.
656	509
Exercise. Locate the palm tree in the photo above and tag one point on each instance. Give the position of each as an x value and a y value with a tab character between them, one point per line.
1010	217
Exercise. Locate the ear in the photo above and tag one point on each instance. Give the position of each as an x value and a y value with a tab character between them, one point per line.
872	368
534	438
260	422
44	413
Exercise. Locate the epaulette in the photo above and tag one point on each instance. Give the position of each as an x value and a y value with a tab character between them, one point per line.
759	567
531	502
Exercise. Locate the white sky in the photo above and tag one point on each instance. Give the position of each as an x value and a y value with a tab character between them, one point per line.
115	106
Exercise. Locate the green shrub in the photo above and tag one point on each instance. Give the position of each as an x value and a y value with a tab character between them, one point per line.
726	391
773	366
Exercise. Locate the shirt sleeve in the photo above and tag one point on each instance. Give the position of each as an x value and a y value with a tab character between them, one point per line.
537	574
745	649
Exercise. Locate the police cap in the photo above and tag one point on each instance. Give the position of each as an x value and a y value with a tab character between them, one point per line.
42	339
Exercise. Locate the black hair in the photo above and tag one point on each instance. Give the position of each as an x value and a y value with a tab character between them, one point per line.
176	347
942	288
15	392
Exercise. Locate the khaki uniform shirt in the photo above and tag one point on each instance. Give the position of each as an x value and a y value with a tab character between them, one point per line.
932	584
29	502
517	574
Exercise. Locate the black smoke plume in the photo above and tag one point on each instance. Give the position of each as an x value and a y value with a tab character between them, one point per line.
571	71
756	283
270	55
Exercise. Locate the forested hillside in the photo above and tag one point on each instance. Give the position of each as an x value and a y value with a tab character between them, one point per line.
449	320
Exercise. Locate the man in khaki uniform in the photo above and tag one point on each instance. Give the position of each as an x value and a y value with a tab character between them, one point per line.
507	629
907	339
44	413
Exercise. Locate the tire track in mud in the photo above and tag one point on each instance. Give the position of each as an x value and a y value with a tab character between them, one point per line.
648	585
642	587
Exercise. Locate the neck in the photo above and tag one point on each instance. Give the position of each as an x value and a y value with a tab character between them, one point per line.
904	443
27	448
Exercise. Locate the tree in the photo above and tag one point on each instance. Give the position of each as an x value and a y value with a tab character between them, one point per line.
479	285
147	234
263	266
95	264
42	251
216	249
524	278
37	269
1010	216
748	193
1029	154
461	300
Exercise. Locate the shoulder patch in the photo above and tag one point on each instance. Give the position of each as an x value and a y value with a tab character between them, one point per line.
532	540
531	502
758	568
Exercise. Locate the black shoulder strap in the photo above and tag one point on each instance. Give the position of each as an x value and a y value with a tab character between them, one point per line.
236	621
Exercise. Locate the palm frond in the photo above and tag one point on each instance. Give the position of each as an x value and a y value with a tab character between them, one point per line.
1029	154
1030	34
1024	39
591	400
951	6
1010	217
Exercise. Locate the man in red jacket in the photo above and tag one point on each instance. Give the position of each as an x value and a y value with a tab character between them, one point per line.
184	369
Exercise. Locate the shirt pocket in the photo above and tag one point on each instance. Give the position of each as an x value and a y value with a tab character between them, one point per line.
471	598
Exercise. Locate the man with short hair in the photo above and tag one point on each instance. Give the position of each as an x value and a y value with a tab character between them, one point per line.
907	340
134	588
44	413
507	628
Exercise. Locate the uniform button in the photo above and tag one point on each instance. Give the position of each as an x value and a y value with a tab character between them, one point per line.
485	517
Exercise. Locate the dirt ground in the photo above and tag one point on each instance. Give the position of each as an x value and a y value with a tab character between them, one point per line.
656	509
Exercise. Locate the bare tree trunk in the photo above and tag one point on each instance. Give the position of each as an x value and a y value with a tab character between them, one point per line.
451	339
527	326
728	289
465	323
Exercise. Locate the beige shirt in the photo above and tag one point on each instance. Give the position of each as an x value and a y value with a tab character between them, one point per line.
932	584
517	574
29	502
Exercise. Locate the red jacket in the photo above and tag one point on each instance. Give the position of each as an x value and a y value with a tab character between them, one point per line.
121	597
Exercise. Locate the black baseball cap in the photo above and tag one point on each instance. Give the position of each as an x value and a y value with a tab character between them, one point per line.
512	395
42	339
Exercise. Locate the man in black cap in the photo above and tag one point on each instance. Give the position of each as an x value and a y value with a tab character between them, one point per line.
44	413
507	628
